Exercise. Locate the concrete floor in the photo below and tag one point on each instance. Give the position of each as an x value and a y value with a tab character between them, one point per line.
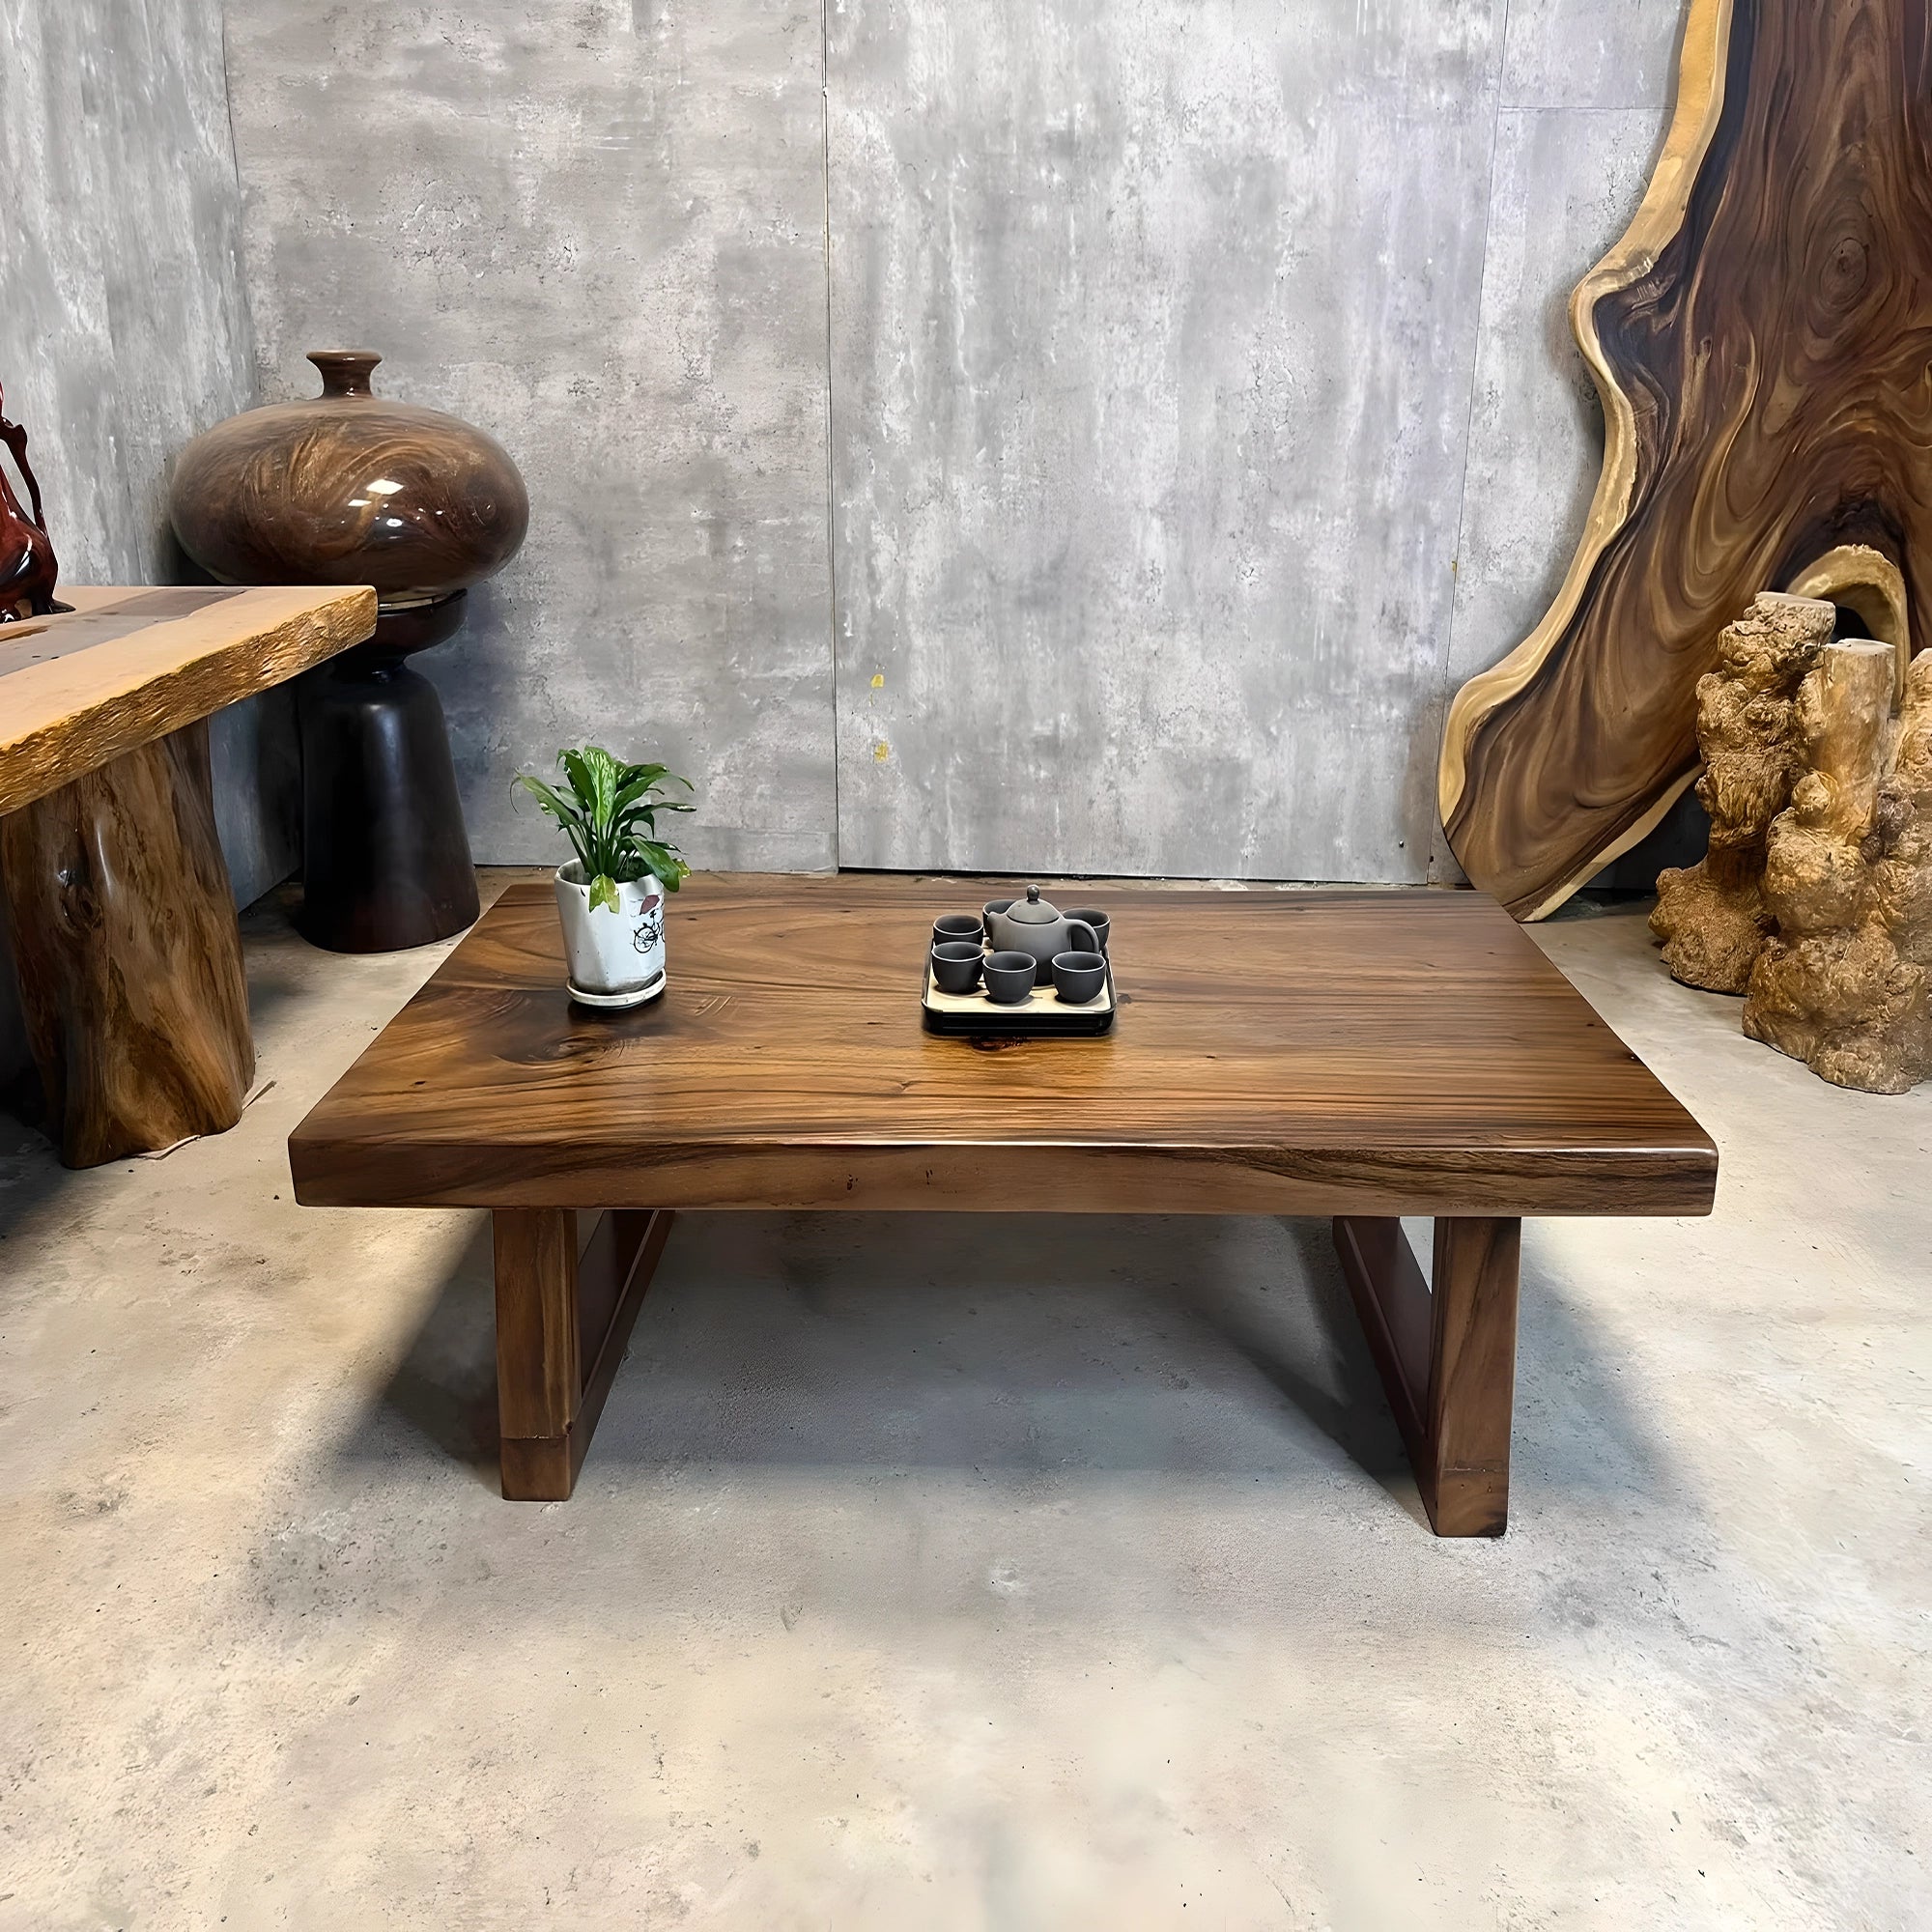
1029	1574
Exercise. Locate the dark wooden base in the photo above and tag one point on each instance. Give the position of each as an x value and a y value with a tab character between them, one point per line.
385	857
129	954
1446	1351
563	1321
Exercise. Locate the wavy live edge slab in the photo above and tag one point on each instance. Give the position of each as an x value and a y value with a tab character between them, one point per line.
1760	342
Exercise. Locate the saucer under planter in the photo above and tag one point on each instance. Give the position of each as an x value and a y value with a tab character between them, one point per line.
617	1001
614	958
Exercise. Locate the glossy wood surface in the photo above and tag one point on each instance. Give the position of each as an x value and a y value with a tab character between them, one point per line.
350	487
1759	338
1376	1053
73	710
127	953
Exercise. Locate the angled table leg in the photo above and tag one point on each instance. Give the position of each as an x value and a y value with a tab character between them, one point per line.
563	1323
1446	1351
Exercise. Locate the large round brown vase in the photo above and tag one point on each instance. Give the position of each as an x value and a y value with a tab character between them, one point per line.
351	488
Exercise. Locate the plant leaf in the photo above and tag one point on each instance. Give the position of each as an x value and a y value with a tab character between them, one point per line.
664	862
610	820
559	809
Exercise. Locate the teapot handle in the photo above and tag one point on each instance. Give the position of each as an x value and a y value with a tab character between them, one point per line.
1093	942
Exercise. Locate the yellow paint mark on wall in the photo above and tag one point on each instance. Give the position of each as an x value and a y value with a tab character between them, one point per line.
878	680
881	752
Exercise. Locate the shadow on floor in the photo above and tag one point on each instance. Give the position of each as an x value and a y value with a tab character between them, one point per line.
1174	1346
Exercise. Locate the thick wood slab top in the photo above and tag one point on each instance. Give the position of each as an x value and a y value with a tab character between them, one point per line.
132	663
1375	1052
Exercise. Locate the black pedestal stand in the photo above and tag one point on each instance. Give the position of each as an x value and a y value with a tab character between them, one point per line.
385	860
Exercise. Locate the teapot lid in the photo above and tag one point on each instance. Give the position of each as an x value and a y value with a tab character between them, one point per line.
1033	910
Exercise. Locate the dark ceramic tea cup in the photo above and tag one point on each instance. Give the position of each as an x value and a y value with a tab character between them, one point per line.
1078	976
991	907
956	965
956	925
1097	920
1009	977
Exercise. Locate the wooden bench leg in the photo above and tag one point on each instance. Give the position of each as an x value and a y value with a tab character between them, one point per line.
129	954
564	1320
1446	1352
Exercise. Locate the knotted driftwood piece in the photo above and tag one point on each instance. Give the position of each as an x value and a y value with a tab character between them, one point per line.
1712	917
1845	983
1760	339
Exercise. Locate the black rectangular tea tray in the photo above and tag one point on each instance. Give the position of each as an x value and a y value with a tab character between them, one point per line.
1041	1015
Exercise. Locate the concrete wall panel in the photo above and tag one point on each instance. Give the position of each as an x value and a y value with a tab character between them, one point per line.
597	230
1153	328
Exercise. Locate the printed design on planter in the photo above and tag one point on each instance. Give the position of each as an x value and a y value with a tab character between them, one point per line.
648	934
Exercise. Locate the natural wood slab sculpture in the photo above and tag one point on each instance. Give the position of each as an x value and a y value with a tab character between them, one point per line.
128	956
1711	916
122	919
1759	338
1846	982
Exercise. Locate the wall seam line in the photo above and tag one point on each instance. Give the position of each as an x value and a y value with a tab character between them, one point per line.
830	504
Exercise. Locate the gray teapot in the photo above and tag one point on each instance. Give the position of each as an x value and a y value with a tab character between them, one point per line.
1032	925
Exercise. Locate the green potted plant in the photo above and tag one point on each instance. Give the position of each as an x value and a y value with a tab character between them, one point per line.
611	895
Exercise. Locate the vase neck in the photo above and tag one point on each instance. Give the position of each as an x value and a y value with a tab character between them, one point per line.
345	372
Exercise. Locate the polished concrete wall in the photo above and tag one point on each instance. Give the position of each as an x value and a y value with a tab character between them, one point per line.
1200	406
124	326
597	230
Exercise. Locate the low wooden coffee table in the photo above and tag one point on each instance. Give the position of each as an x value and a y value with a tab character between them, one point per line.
1364	1055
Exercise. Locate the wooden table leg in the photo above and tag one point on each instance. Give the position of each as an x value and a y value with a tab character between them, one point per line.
1447	1355
564	1320
129	954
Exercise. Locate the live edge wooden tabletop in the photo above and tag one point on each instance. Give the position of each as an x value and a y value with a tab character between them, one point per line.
132	663
1376	1053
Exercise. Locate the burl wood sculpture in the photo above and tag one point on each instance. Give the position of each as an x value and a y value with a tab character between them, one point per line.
1846	983
1713	916
1815	899
1760	337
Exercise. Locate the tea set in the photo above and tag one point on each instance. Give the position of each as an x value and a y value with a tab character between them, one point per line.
1013	946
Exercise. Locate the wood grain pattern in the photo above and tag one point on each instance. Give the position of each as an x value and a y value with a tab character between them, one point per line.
538	1366
350	488
69	715
1472	1297
1276	1053
1446	1352
563	1321
129	955
1759	338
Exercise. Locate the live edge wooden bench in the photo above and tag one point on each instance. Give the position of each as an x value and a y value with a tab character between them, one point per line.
1356	1054
123	922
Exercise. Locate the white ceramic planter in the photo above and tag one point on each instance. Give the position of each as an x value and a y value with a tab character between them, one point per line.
616	958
